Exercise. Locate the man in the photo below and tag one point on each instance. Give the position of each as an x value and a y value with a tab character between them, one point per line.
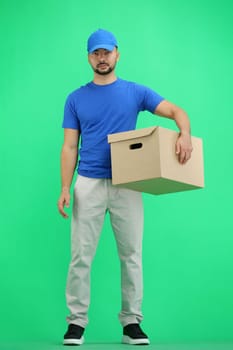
104	106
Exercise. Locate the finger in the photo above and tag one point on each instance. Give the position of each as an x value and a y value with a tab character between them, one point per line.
178	148
187	156
67	202
63	213
182	156
61	209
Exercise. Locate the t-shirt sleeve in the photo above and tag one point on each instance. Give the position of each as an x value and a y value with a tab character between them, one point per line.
148	99
70	119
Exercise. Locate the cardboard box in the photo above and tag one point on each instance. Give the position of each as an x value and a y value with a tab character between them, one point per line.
144	160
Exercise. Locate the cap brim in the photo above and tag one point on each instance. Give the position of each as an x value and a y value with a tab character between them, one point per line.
101	46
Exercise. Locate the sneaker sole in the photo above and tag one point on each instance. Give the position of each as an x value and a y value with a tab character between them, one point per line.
141	341
73	341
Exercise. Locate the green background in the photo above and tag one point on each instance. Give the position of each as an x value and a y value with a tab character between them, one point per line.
181	49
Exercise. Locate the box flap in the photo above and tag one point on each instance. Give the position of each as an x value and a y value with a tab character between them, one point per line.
129	135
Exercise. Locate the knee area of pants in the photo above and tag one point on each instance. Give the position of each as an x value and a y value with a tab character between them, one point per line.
81	261
131	255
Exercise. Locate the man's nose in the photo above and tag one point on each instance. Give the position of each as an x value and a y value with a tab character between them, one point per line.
102	57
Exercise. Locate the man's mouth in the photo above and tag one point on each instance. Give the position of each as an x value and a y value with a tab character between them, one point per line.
102	65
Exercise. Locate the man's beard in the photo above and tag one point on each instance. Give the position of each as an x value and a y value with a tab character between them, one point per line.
104	72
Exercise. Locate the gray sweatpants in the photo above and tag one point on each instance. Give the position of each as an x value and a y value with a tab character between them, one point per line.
92	199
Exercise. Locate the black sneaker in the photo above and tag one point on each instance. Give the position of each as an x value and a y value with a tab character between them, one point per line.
74	335
132	334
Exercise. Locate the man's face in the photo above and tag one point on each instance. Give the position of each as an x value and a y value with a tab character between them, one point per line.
103	61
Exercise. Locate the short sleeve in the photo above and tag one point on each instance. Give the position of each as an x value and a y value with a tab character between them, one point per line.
148	99
70	119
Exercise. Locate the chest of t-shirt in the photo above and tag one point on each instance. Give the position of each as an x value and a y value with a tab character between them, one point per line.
105	107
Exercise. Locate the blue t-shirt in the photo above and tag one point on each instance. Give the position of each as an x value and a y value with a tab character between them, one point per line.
99	110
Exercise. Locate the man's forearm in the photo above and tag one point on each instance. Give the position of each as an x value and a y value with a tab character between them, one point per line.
171	111
182	121
68	163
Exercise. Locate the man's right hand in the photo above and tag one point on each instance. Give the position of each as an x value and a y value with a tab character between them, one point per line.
64	201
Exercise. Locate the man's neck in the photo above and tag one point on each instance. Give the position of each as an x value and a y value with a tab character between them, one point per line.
104	79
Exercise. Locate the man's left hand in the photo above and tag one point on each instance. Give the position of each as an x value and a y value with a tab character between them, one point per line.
184	147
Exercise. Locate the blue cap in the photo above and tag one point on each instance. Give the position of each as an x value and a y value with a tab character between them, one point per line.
101	39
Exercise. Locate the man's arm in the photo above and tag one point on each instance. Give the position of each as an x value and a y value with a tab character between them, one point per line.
183	143
69	155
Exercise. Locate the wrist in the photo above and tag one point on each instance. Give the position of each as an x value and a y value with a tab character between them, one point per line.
65	189
185	133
